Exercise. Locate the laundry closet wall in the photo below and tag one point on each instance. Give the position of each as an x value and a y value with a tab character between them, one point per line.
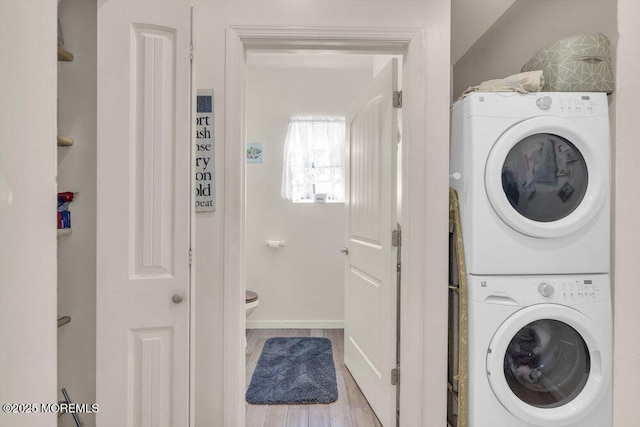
528	26
302	284
626	222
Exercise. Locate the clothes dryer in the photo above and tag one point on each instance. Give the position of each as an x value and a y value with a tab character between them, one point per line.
532	175
540	351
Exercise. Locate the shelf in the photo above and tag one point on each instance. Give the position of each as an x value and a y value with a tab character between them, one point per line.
64	141
64	232
63	320
64	55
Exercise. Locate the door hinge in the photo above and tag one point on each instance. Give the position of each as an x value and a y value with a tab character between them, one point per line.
397	99
395	376
190	256
191	53
396	238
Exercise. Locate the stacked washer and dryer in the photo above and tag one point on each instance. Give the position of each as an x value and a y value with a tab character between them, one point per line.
532	174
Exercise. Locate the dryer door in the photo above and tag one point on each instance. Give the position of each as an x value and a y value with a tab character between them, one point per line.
547	177
546	365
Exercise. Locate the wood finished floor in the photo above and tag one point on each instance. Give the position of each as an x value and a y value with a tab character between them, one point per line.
350	410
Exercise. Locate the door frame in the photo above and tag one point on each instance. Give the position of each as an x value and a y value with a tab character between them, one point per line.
417	222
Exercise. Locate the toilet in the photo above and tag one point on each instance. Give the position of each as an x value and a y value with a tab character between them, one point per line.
250	302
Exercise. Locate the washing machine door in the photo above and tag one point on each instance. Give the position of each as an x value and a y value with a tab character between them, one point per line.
546	365
547	177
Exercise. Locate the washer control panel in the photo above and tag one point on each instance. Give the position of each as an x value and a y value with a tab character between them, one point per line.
579	290
528	290
570	290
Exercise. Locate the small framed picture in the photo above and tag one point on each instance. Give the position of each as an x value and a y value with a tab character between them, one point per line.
255	153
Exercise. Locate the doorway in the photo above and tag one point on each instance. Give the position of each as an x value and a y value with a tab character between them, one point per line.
301	281
411	43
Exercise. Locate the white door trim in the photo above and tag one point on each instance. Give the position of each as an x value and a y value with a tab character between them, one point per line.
417	222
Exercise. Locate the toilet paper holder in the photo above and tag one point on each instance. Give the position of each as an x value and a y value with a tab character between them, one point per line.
275	244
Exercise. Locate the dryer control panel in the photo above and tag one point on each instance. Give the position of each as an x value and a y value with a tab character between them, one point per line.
579	105
512	104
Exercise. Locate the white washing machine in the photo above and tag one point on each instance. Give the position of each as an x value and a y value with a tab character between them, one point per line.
532	176
540	351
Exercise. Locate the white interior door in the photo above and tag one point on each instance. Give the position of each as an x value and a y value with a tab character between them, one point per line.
371	283
144	207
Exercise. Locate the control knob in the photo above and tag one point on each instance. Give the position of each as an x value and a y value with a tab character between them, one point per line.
544	103
545	289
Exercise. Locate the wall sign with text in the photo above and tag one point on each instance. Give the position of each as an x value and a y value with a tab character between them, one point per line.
205	153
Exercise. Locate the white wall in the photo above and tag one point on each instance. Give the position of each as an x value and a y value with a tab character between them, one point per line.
77	172
470	19
27	208
528	27
626	316
301	285
212	20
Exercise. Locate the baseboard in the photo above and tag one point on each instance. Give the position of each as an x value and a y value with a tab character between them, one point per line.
295	324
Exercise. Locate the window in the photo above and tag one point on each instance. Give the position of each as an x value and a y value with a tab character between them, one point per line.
314	159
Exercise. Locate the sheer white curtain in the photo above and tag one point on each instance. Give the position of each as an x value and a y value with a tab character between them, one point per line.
314	159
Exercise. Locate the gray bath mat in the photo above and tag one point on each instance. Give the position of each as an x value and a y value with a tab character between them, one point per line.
294	371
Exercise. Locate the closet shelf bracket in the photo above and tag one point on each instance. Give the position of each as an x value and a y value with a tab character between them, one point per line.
63	320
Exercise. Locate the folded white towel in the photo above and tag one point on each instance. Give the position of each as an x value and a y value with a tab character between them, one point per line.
530	81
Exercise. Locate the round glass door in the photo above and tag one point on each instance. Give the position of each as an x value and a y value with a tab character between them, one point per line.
544	177
547	364
547	177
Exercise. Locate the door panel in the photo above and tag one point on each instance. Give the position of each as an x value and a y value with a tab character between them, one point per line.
150	372
144	210
370	308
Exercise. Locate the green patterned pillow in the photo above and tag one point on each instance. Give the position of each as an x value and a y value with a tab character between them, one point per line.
580	63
